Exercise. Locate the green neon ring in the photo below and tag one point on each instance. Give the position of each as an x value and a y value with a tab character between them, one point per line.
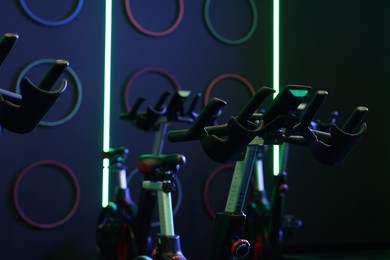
213	83
230	41
74	77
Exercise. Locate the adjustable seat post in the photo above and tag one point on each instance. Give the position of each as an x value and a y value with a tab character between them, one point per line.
161	169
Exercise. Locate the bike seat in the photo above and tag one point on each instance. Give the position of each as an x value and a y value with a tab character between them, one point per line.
149	163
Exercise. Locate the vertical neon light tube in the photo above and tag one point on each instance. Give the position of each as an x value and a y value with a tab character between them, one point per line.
107	99
276	149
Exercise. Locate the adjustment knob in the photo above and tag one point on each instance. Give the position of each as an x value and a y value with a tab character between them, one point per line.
240	248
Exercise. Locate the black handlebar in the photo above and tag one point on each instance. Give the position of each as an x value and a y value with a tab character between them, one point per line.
7	42
23	115
278	124
174	111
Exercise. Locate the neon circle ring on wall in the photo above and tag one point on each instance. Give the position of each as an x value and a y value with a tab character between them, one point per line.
221	77
152	33
76	201
40	20
214	32
73	75
175	84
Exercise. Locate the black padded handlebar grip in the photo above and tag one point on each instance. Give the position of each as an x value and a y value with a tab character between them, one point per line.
341	141
9	96
312	108
354	119
36	102
240	132
159	106
198	126
52	75
253	104
287	100
7	41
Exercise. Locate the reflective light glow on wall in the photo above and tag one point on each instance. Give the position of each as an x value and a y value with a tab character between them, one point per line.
276	148
107	99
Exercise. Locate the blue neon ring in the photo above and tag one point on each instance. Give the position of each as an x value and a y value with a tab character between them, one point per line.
179	191
230	41
48	22
75	78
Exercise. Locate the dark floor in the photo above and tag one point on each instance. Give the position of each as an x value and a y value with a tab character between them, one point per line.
340	253
358	255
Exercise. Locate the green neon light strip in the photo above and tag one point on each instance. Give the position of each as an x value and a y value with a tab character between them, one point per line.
276	149
107	99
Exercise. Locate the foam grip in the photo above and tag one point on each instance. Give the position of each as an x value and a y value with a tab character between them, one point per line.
197	129
222	149
146	120
52	75
287	100
337	150
36	102
7	41
253	104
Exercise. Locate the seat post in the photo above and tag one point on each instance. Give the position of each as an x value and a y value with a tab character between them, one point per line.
164	200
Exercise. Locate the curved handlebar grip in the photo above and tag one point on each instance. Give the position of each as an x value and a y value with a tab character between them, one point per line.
133	112
146	120
191	109
287	100
52	75
338	150
253	104
36	102
341	140
237	139
198	126
355	119
312	109
7	42
160	103
11	97
240	132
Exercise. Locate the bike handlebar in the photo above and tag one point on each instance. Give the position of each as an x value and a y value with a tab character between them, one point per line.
173	112
7	42
22	113
225	142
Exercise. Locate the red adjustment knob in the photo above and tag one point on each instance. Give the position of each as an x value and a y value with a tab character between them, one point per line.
155	253
240	248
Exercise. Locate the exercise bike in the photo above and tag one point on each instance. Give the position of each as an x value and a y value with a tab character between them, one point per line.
239	140
123	230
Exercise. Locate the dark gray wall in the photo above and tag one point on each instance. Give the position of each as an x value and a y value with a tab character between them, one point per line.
337	46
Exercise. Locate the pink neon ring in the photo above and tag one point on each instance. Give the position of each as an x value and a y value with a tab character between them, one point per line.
33	223
152	33
226	76
164	73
